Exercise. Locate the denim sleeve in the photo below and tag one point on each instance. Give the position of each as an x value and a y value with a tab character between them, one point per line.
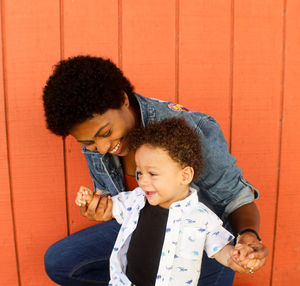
98	184
245	196
221	180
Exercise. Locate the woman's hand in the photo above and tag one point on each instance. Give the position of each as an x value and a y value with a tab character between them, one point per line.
99	208
255	258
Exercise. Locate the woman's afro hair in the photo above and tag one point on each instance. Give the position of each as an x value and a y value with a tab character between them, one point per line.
173	135
81	87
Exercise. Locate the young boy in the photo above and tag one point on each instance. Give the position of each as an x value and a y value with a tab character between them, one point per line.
164	227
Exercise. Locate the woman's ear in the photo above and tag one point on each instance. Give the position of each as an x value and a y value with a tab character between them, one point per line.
126	102
187	174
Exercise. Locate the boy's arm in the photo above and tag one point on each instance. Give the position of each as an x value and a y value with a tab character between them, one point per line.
224	257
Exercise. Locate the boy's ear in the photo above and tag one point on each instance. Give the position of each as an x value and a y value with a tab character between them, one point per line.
187	175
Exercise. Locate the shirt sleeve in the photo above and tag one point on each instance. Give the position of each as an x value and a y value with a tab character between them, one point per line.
125	201
216	240
217	236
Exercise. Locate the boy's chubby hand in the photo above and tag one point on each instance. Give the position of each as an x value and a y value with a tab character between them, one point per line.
84	196
244	256
249	253
93	206
237	258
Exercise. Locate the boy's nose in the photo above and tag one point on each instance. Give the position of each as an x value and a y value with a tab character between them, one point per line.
143	181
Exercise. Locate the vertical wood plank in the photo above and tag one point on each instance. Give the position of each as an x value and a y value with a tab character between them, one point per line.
286	269
205	58
89	27
257	77
148	47
31	37
8	262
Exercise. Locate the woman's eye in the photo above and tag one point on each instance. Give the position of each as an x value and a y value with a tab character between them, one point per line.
107	133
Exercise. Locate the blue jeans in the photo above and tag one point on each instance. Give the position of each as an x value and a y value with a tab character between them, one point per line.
82	259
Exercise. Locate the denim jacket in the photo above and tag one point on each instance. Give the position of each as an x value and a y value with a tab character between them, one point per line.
221	180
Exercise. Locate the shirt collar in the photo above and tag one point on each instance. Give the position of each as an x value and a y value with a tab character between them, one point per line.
187	203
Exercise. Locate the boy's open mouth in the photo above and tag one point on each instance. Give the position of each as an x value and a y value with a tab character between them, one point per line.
149	194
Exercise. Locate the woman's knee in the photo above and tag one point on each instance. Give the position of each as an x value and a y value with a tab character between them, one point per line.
54	265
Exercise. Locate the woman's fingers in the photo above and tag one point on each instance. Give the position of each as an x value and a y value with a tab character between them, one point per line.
97	203
233	264
98	208
104	209
108	211
259	251
251	260
83	209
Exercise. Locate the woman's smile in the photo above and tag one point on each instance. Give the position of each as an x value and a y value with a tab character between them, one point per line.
117	149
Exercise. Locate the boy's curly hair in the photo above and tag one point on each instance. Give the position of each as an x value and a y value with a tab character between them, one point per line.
175	136
81	87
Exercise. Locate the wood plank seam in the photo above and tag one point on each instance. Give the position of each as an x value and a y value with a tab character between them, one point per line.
68	217
280	138
3	42
62	55
177	39
231	84
61	24
120	34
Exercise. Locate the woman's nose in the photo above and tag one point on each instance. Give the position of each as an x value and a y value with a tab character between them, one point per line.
102	145
91	147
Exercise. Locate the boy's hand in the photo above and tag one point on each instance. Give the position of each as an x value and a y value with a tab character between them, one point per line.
243	256
84	196
257	256
241	253
98	208
225	257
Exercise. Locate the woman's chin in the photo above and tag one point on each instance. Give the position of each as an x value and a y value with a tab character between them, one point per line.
123	153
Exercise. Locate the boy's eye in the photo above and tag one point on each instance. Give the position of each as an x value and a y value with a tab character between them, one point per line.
152	174
138	174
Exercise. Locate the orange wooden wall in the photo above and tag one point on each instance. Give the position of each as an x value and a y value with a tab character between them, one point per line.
236	60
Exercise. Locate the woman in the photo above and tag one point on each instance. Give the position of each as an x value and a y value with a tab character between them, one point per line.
90	99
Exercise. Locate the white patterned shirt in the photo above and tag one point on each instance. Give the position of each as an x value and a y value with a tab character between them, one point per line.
191	228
